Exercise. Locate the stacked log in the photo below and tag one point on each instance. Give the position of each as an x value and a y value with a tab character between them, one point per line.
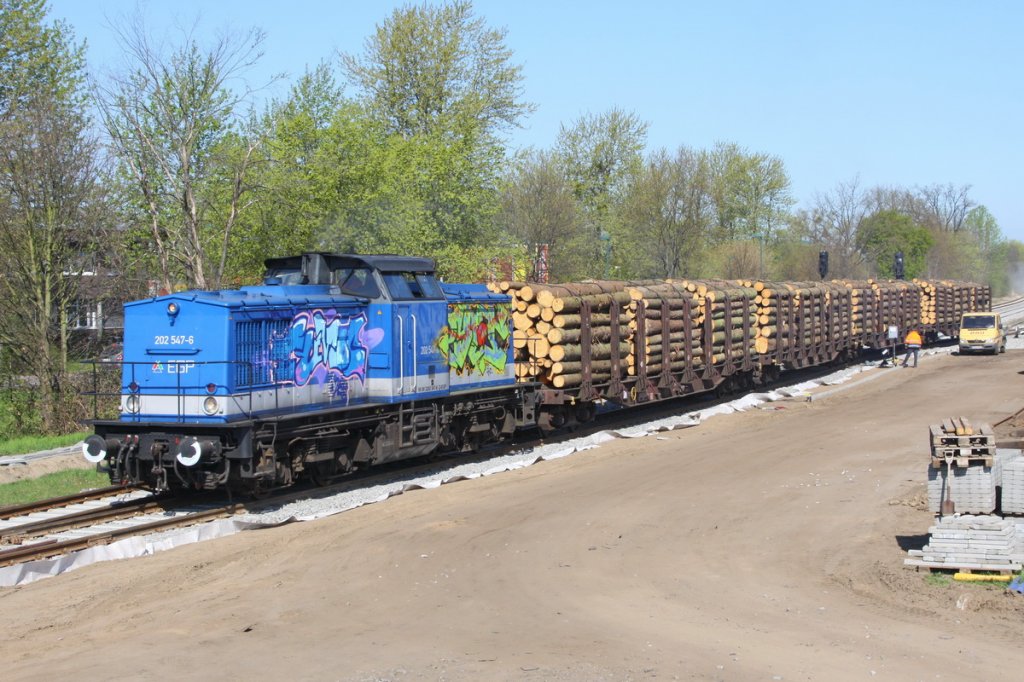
732	307
864	308
652	326
664	345
944	301
802	314
548	329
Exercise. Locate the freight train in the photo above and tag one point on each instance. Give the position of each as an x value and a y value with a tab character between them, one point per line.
341	361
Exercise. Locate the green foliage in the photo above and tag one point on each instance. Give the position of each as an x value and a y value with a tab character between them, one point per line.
50	209
938	579
37	61
439	71
19	412
28	444
59	483
666	213
174	126
538	207
750	191
599	154
985	250
884	233
793	258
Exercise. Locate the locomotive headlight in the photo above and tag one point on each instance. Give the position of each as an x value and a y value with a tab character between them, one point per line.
131	404
210	405
172	309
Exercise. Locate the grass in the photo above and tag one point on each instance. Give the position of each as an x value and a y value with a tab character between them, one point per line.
26	444
51	485
938	579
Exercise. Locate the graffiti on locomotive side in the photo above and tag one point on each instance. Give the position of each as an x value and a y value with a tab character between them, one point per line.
476	338
331	348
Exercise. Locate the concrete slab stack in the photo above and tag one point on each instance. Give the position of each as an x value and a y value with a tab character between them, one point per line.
969	542
1012	469
973	489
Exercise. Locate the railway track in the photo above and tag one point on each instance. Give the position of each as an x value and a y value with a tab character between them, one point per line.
30	527
1011	310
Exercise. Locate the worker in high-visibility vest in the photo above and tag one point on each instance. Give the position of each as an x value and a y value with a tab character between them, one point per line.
913	344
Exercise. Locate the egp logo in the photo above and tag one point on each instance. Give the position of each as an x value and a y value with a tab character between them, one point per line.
180	366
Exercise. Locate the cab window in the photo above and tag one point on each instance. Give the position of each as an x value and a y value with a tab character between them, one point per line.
411	286
357	282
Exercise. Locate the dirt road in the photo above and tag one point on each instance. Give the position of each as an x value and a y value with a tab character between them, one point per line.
766	545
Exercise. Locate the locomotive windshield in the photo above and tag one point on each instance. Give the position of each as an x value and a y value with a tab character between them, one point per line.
357	282
412	286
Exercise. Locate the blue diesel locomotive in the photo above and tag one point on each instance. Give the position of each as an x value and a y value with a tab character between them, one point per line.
335	361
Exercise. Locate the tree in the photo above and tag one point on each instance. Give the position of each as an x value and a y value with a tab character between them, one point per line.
833	224
668	211
750	192
886	232
599	154
49	201
538	207
985	228
36	60
442	87
439	70
942	207
295	181
169	121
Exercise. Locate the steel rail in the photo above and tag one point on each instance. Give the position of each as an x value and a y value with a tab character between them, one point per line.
47	549
16	535
1008	304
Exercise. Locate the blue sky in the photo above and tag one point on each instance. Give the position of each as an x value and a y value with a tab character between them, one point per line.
904	93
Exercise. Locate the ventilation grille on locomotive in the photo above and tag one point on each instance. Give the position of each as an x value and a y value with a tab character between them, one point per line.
263	351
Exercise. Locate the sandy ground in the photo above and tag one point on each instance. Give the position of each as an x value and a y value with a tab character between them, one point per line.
766	545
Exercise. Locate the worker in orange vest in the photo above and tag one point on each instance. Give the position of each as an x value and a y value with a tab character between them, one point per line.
913	344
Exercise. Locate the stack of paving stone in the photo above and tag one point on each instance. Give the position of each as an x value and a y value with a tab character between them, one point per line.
969	452
967	542
973	489
1012	480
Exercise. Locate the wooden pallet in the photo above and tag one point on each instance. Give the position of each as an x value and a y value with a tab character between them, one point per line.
974	451
947	439
964	461
995	569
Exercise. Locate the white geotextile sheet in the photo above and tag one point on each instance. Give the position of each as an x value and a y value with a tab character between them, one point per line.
308	510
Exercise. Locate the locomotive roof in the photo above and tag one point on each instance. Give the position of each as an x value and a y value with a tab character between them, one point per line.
381	262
